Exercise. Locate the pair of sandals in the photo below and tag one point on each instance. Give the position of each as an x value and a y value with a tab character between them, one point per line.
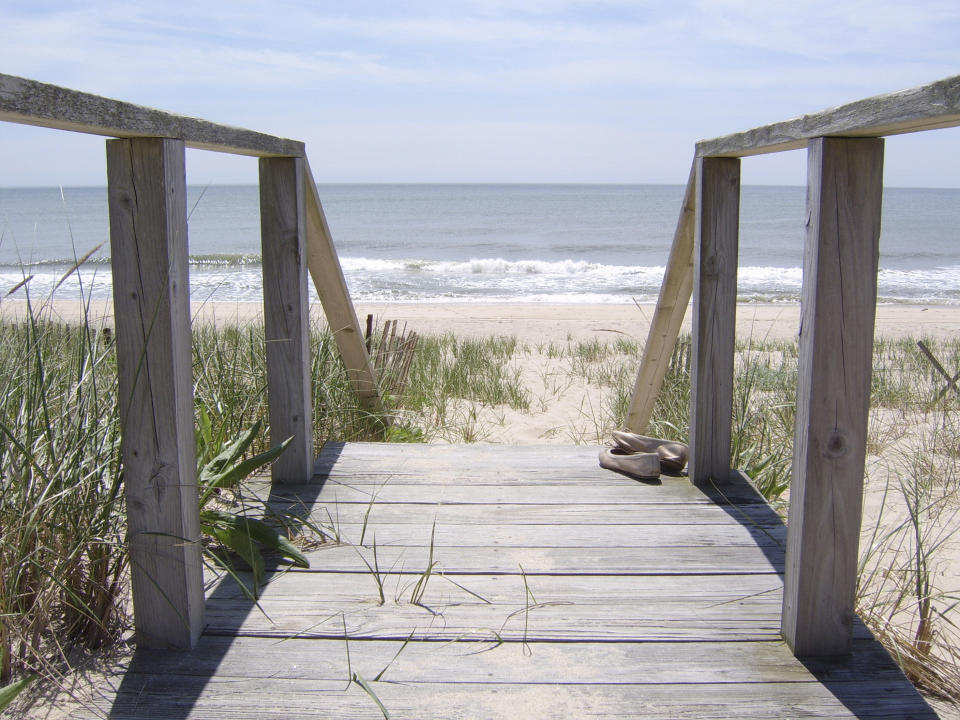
643	457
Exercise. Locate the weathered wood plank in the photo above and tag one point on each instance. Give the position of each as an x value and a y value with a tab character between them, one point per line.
668	317
732	560
512	514
593	589
148	238
928	107
549	663
152	696
373	466
546	494
327	274
606	637
714	318
286	315
754	619
499	535
30	102
845	188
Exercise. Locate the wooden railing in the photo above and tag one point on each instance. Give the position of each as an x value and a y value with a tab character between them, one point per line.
148	232
838	303
146	181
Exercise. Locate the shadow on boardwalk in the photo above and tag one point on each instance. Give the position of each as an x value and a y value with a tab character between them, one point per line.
557	590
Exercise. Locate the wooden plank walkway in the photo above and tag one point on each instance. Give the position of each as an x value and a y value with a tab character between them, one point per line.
558	589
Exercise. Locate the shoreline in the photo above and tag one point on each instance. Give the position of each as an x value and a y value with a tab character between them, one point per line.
537	322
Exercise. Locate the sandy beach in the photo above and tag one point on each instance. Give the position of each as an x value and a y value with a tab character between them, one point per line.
567	407
538	323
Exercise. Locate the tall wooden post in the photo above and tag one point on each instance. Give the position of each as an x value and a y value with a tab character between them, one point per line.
286	315
148	240
716	244
839	295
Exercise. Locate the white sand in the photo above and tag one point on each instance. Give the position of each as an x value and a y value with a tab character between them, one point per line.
551	323
566	408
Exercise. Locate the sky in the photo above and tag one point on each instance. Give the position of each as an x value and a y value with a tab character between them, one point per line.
606	91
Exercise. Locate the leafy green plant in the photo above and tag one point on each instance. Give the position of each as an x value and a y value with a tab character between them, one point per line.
8	693
242	534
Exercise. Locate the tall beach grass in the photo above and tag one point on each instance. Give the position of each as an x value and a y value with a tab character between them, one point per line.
62	551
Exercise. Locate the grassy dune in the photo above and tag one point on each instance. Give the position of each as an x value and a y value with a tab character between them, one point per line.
62	555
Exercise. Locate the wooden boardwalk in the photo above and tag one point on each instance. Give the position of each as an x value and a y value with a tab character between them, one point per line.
558	589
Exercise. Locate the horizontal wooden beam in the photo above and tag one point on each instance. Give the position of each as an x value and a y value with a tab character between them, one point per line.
927	107
29	102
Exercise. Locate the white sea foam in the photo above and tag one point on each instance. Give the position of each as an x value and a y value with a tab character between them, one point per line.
563	244
490	280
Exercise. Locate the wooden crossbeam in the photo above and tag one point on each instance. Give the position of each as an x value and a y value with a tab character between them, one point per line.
927	107
667	318
324	267
28	102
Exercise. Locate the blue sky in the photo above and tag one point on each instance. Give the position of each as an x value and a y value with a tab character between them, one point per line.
481	90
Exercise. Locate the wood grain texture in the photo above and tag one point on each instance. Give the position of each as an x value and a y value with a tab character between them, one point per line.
560	535
529	514
927	107
714	318
148	240
286	315
299	588
147	697
611	559
328	279
682	628
845	188
30	102
667	317
648	663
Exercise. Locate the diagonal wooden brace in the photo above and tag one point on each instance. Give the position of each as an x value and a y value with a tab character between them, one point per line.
951	381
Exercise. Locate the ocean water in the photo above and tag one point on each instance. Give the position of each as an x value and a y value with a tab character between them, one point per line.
481	243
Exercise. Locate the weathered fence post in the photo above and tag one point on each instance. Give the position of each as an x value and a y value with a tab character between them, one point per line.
714	317
844	194
148	240
286	315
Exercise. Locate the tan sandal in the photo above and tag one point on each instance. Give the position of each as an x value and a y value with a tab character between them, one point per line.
645	466
673	455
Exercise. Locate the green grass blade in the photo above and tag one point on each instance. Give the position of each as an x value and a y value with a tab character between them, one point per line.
8	693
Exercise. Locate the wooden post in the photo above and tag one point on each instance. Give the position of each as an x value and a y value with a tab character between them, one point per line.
668	317
839	295
324	266
148	240
714	318
286	311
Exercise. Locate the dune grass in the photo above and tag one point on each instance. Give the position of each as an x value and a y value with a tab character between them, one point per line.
62	552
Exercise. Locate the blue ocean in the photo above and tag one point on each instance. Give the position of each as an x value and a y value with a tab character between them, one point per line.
480	243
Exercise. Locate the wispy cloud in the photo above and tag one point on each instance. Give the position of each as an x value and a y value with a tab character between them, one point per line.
694	68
